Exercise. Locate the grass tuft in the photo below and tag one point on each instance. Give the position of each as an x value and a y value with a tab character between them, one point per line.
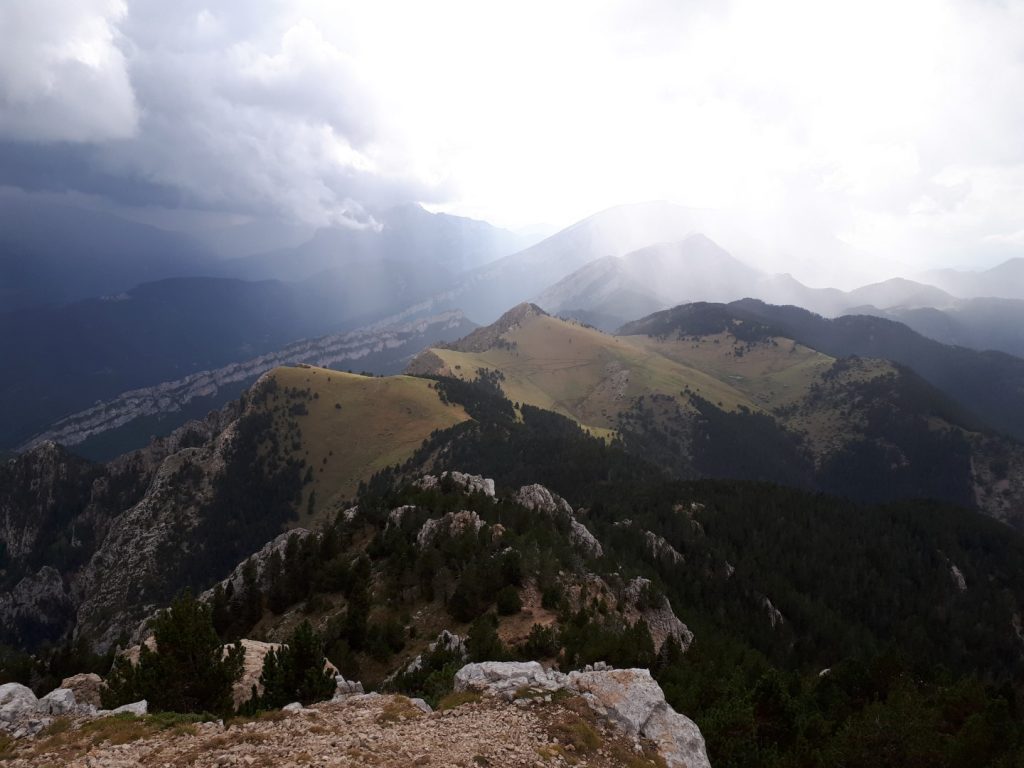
457	699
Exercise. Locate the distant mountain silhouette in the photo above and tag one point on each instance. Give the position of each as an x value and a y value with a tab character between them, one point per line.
984	324
616	289
1004	281
407	234
486	292
54	254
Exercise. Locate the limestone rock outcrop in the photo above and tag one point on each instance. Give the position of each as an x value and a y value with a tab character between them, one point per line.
37	608
446	641
540	499
506	678
130	555
452	523
256	563
16	698
659	549
629	698
584	540
86	687
60	701
635	701
252	667
658	613
471	483
344	688
22	714
137	708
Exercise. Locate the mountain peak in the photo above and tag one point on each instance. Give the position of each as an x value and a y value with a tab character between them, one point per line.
520	312
487	337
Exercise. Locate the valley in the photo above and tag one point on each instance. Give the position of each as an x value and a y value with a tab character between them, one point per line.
126	423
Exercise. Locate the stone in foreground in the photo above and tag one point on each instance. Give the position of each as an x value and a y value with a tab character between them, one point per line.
629	698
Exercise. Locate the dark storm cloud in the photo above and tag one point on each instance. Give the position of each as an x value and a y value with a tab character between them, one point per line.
67	167
240	107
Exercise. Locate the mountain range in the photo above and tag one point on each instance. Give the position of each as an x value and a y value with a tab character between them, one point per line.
63	360
613	290
128	421
55	253
68	357
608	269
734	496
738	392
996	324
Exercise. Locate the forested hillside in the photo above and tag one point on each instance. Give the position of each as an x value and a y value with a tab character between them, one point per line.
796	629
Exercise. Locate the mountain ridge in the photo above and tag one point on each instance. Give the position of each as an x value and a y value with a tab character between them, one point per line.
1005	280
663	388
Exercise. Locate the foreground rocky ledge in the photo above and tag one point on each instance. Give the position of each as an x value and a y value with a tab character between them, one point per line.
364	730
500	714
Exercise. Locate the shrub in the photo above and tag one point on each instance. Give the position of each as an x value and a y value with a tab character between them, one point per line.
542	643
433	679
385	639
508	601
483	643
551	598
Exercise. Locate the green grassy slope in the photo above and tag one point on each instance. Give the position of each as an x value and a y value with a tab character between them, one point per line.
351	426
584	374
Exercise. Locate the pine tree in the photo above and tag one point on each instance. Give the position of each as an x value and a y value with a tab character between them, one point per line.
295	671
189	671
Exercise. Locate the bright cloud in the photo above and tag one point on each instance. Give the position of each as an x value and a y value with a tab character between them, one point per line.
62	75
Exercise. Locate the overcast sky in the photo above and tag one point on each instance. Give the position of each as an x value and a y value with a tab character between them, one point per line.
838	138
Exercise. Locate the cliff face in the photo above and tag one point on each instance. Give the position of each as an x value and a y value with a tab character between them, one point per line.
118	539
38	608
81	542
54	509
131	572
40	492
